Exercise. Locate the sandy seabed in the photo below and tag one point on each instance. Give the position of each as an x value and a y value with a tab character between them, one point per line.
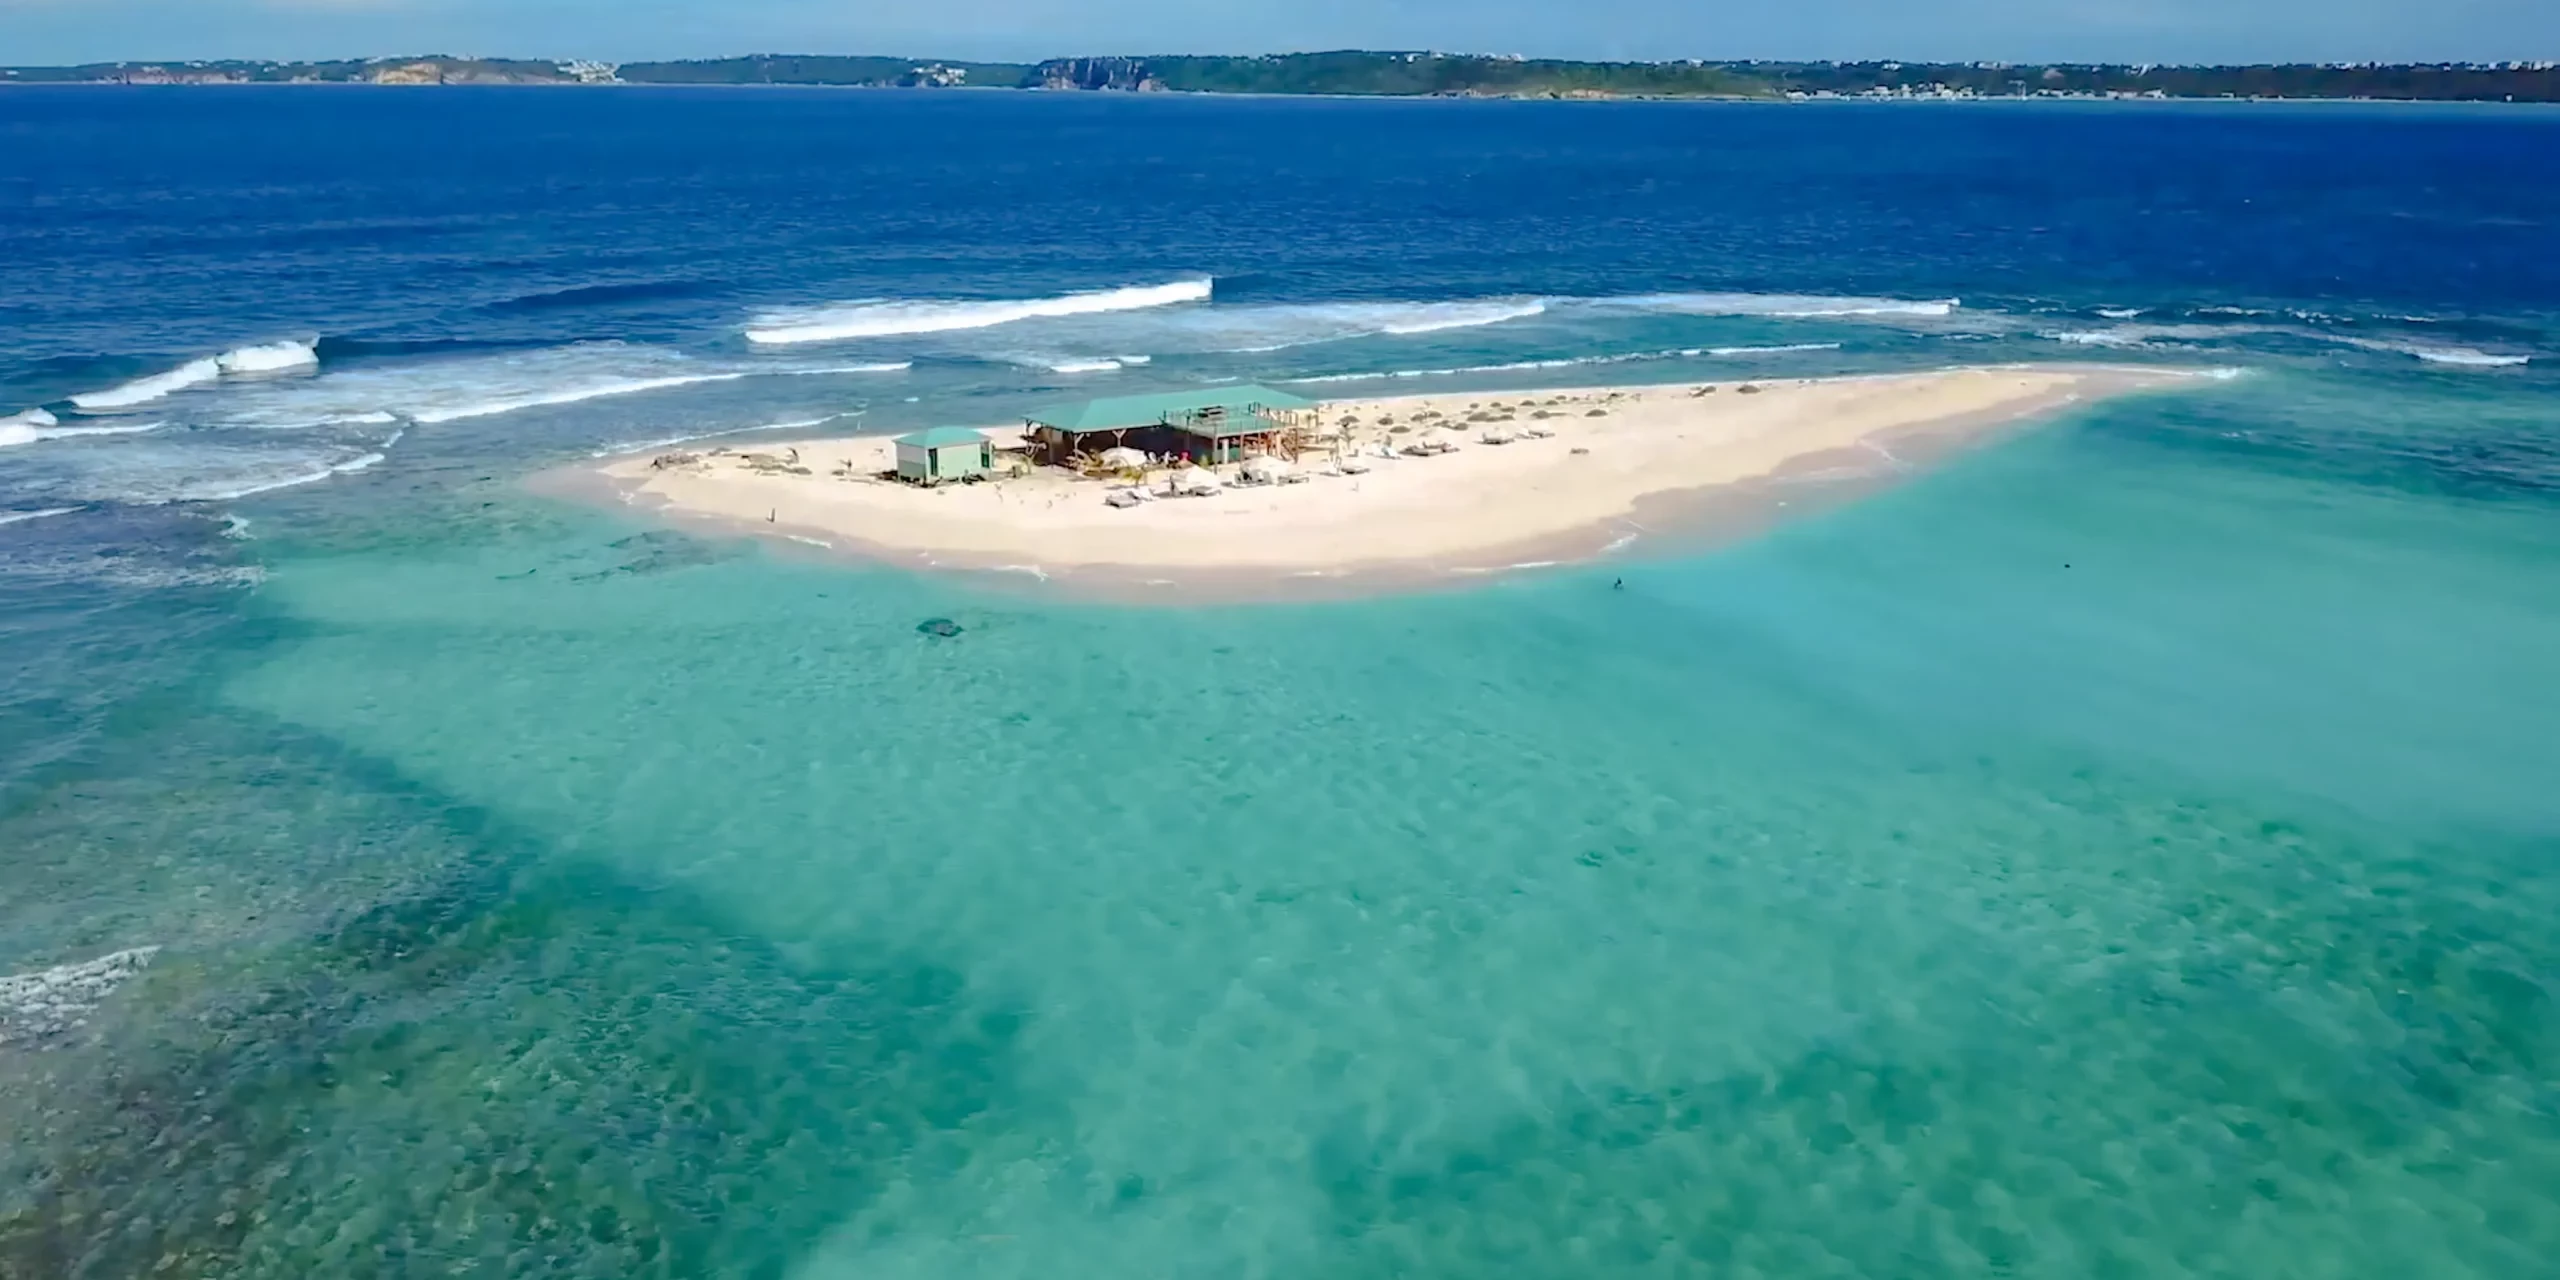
1615	465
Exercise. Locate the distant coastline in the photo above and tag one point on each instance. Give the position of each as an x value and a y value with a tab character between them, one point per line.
1360	73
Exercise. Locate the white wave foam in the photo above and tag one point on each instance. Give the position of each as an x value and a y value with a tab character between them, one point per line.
29	418
1432	317
19	517
1263	328
643	446
880	318
2136	335
2097	337
1080	366
364	462
2469	357
1531	366
2119	313
272	357
574	394
194	373
2465	357
887	366
454	389
1758	351
13	434
1784	306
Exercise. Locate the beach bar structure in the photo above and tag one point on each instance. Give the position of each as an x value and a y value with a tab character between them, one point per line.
1210	425
944	454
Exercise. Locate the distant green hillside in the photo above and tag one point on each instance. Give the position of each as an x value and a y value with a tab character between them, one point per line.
850	71
2447	82
1395	75
1411	74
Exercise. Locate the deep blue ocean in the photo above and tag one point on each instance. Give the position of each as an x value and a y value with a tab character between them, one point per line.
406	873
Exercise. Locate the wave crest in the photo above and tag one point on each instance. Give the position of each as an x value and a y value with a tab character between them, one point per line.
880	318
1783	306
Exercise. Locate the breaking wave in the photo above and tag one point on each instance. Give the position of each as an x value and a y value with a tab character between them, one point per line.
273	357
880	318
2133	335
573	393
1782	306
17	433
270	357
362	462
1527	366
460	388
643	446
2432	353
20	517
1260	329
194	373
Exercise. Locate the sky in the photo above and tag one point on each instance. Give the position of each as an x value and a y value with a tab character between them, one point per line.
35	32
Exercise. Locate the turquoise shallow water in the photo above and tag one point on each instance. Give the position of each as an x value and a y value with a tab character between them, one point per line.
2126	850
1877	897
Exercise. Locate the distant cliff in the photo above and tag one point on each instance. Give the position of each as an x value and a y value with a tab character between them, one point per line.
1395	75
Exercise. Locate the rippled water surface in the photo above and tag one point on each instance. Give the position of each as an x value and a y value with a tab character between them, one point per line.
2127	851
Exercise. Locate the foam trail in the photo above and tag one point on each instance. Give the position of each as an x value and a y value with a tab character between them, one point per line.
886	318
643	446
2466	357
1257	330
14	434
1528	366
2135	335
194	373
1432	318
570	395
2097	337
273	357
1783	305
349	467
1080	366
889	366
17	517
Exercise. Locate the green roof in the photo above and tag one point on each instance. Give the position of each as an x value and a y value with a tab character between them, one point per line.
943	437
1119	412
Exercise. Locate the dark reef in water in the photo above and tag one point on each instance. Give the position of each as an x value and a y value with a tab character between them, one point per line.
943	627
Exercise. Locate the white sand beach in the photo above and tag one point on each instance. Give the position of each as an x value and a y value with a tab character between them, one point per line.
1568	494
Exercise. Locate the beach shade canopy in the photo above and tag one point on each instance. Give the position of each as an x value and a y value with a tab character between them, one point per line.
1265	468
1123	457
1239	405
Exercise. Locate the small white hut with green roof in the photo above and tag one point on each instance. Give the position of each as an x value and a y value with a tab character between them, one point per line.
944	454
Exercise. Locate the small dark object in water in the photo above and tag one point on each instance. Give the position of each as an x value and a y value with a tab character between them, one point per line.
943	627
1619	585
